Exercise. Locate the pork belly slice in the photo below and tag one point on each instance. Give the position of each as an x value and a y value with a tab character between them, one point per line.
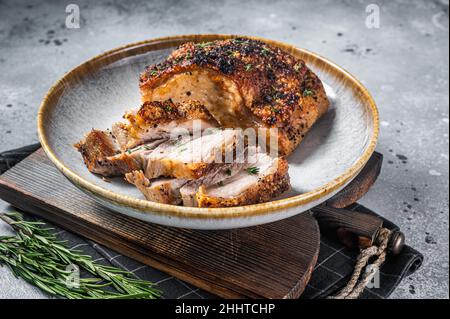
190	158
243	83
164	190
215	176
161	119
102	155
265	180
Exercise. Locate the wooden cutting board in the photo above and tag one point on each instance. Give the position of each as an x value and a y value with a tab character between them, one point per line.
269	261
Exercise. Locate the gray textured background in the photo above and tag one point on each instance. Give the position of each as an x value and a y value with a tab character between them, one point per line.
404	64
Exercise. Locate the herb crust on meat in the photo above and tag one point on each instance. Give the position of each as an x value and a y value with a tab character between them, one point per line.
275	89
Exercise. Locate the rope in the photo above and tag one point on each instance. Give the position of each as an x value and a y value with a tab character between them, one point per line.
356	286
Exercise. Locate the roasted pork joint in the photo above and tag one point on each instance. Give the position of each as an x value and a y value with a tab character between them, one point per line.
243	83
216	122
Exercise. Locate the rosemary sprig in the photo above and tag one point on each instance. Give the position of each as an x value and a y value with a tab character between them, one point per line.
37	256
253	170
308	92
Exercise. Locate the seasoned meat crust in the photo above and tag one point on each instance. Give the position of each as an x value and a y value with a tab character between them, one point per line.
274	88
160	112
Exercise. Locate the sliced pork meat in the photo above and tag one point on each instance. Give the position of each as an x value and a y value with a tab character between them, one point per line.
164	190
179	147
243	83
192	158
116	152
265	180
102	155
161	119
217	176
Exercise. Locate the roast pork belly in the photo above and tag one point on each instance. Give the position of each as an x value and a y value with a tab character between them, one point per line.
215	177
261	182
218	175
177	191
243	83
163	190
102	155
258	179
192	158
116	152
161	119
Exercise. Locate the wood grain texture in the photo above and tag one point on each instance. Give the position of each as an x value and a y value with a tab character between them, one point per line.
355	230
270	261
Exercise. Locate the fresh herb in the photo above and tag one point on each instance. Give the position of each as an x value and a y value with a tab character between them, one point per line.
153	72
253	170
220	183
275	93
37	256
134	149
138	148
204	44
168	107
228	171
275	110
265	51
308	92
240	41
248	67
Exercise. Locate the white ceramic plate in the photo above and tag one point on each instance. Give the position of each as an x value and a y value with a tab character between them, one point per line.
96	94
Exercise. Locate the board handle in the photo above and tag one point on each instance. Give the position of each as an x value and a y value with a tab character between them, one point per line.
355	229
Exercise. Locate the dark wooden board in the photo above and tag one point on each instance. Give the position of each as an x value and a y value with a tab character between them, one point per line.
360	185
269	261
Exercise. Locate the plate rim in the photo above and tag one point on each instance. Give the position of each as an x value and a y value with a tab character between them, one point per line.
196	212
